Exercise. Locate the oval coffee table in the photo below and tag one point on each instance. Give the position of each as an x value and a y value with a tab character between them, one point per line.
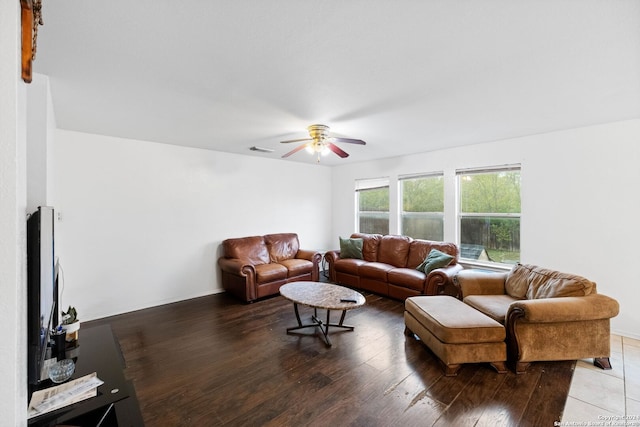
324	296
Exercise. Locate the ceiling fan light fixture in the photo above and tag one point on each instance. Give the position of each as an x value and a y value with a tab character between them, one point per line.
320	143
317	147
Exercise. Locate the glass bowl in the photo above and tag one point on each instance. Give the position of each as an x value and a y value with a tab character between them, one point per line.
62	370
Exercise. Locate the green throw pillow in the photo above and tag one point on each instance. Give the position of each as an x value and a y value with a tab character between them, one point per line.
435	259
350	248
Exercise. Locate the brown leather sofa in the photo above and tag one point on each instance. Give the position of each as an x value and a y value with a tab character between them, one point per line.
389	266
548	315
255	267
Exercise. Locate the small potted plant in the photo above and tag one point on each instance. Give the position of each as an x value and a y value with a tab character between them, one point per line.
70	324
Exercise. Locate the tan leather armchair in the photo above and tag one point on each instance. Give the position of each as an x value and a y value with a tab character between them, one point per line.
548	315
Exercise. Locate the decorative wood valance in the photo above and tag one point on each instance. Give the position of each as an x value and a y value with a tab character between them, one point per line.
31	11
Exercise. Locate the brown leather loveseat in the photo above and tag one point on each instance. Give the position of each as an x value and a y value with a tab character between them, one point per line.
548	315
255	267
388	266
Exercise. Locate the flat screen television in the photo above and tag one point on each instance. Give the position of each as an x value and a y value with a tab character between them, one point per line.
42	294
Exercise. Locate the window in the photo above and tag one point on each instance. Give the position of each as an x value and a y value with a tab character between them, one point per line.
489	214
372	200
422	214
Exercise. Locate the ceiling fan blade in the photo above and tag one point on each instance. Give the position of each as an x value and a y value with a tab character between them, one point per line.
337	150
350	141
295	150
296	140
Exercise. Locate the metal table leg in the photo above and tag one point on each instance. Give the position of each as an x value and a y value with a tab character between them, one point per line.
295	308
317	322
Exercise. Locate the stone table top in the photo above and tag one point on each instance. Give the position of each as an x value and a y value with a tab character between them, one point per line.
321	295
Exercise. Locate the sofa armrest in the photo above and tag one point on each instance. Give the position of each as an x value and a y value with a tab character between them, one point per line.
236	266
312	256
473	282
315	258
564	309
331	257
440	281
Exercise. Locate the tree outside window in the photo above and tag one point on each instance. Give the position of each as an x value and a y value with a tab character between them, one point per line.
489	213
422	215
373	209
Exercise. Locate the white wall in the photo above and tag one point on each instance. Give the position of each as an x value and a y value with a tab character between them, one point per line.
580	204
40	131
141	222
13	199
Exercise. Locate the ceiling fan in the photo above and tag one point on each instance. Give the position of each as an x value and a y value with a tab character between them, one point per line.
321	143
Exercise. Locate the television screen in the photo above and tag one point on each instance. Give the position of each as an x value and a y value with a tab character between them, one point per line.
41	282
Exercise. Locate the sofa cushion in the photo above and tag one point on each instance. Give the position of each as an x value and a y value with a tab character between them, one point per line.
370	243
282	246
374	270
533	282
494	306
407	278
517	282
349	265
435	259
393	250
251	249
553	284
351	248
297	267
419	250
270	272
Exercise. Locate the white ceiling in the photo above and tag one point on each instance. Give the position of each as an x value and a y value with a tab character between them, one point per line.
406	76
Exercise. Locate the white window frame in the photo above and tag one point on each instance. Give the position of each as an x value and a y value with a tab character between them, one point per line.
459	214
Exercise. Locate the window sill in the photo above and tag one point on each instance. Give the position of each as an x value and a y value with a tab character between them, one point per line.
494	266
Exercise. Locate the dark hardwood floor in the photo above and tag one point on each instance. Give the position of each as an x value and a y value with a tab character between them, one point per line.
216	361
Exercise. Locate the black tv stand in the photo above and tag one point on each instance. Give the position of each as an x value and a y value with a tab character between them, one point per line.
116	403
